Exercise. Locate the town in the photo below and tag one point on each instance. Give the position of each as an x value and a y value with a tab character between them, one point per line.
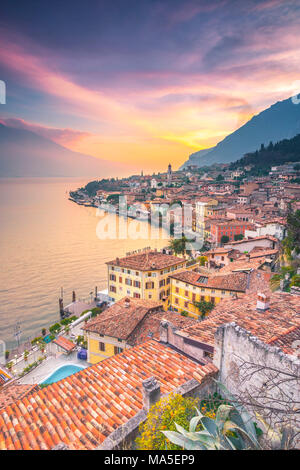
180	320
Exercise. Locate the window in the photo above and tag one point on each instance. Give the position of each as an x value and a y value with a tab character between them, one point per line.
137	284
120	280
101	346
117	350
177	290
212	299
186	304
112	277
202	298
128	282
176	300
194	297
136	295
112	289
149	285
186	293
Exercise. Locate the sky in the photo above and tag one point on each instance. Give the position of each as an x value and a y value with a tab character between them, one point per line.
145	82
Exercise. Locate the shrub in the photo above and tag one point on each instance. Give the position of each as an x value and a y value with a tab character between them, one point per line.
66	321
80	341
162	416
55	328
184	313
38	339
44	331
6	354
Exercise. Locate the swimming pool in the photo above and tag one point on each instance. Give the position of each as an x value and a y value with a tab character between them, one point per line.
61	373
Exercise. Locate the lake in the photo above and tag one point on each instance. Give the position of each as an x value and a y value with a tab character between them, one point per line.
47	243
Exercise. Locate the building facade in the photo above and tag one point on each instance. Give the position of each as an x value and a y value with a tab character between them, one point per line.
143	275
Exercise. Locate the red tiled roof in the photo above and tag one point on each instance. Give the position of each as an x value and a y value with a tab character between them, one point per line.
64	343
84	408
14	392
283	314
147	261
122	318
150	325
235	281
287	341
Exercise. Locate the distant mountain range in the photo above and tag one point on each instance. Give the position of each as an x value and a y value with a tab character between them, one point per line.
279	121
26	154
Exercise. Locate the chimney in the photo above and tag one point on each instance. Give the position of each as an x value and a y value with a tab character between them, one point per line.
263	302
117	261
73	296
248	257
151	392
127	302
153	265
164	331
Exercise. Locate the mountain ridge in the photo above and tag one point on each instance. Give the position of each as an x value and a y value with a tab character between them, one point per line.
279	121
24	153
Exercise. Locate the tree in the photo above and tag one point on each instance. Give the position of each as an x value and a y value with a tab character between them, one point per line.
293	230
240	236
184	313
204	307
202	260
224	239
178	245
220	178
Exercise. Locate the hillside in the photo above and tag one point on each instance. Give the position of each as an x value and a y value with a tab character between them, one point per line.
25	154
287	150
279	121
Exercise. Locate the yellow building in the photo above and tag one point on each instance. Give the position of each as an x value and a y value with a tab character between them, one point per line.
143	275
188	287
116	328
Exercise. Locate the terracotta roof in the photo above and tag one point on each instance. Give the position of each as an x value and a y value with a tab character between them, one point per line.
243	264
149	326
64	343
147	261
234	281
249	240
84	408
283	313
122	318
14	392
289	341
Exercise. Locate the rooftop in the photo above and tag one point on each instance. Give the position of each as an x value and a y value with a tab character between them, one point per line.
64	343
234	281
11	393
283	314
147	261
122	318
84	408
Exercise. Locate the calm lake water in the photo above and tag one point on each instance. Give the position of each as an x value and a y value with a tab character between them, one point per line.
48	242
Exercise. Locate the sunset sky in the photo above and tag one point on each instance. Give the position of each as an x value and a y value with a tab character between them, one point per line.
145	81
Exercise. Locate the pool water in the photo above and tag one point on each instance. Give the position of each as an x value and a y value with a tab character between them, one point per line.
62	373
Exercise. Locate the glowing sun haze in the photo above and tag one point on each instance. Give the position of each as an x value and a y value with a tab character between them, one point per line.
145	82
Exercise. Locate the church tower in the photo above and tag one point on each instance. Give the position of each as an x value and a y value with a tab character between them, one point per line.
169	173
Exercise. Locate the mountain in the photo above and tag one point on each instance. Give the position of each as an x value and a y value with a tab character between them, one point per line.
287	150
25	154
279	121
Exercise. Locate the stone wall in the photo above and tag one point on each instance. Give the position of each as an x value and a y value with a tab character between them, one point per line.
258	374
